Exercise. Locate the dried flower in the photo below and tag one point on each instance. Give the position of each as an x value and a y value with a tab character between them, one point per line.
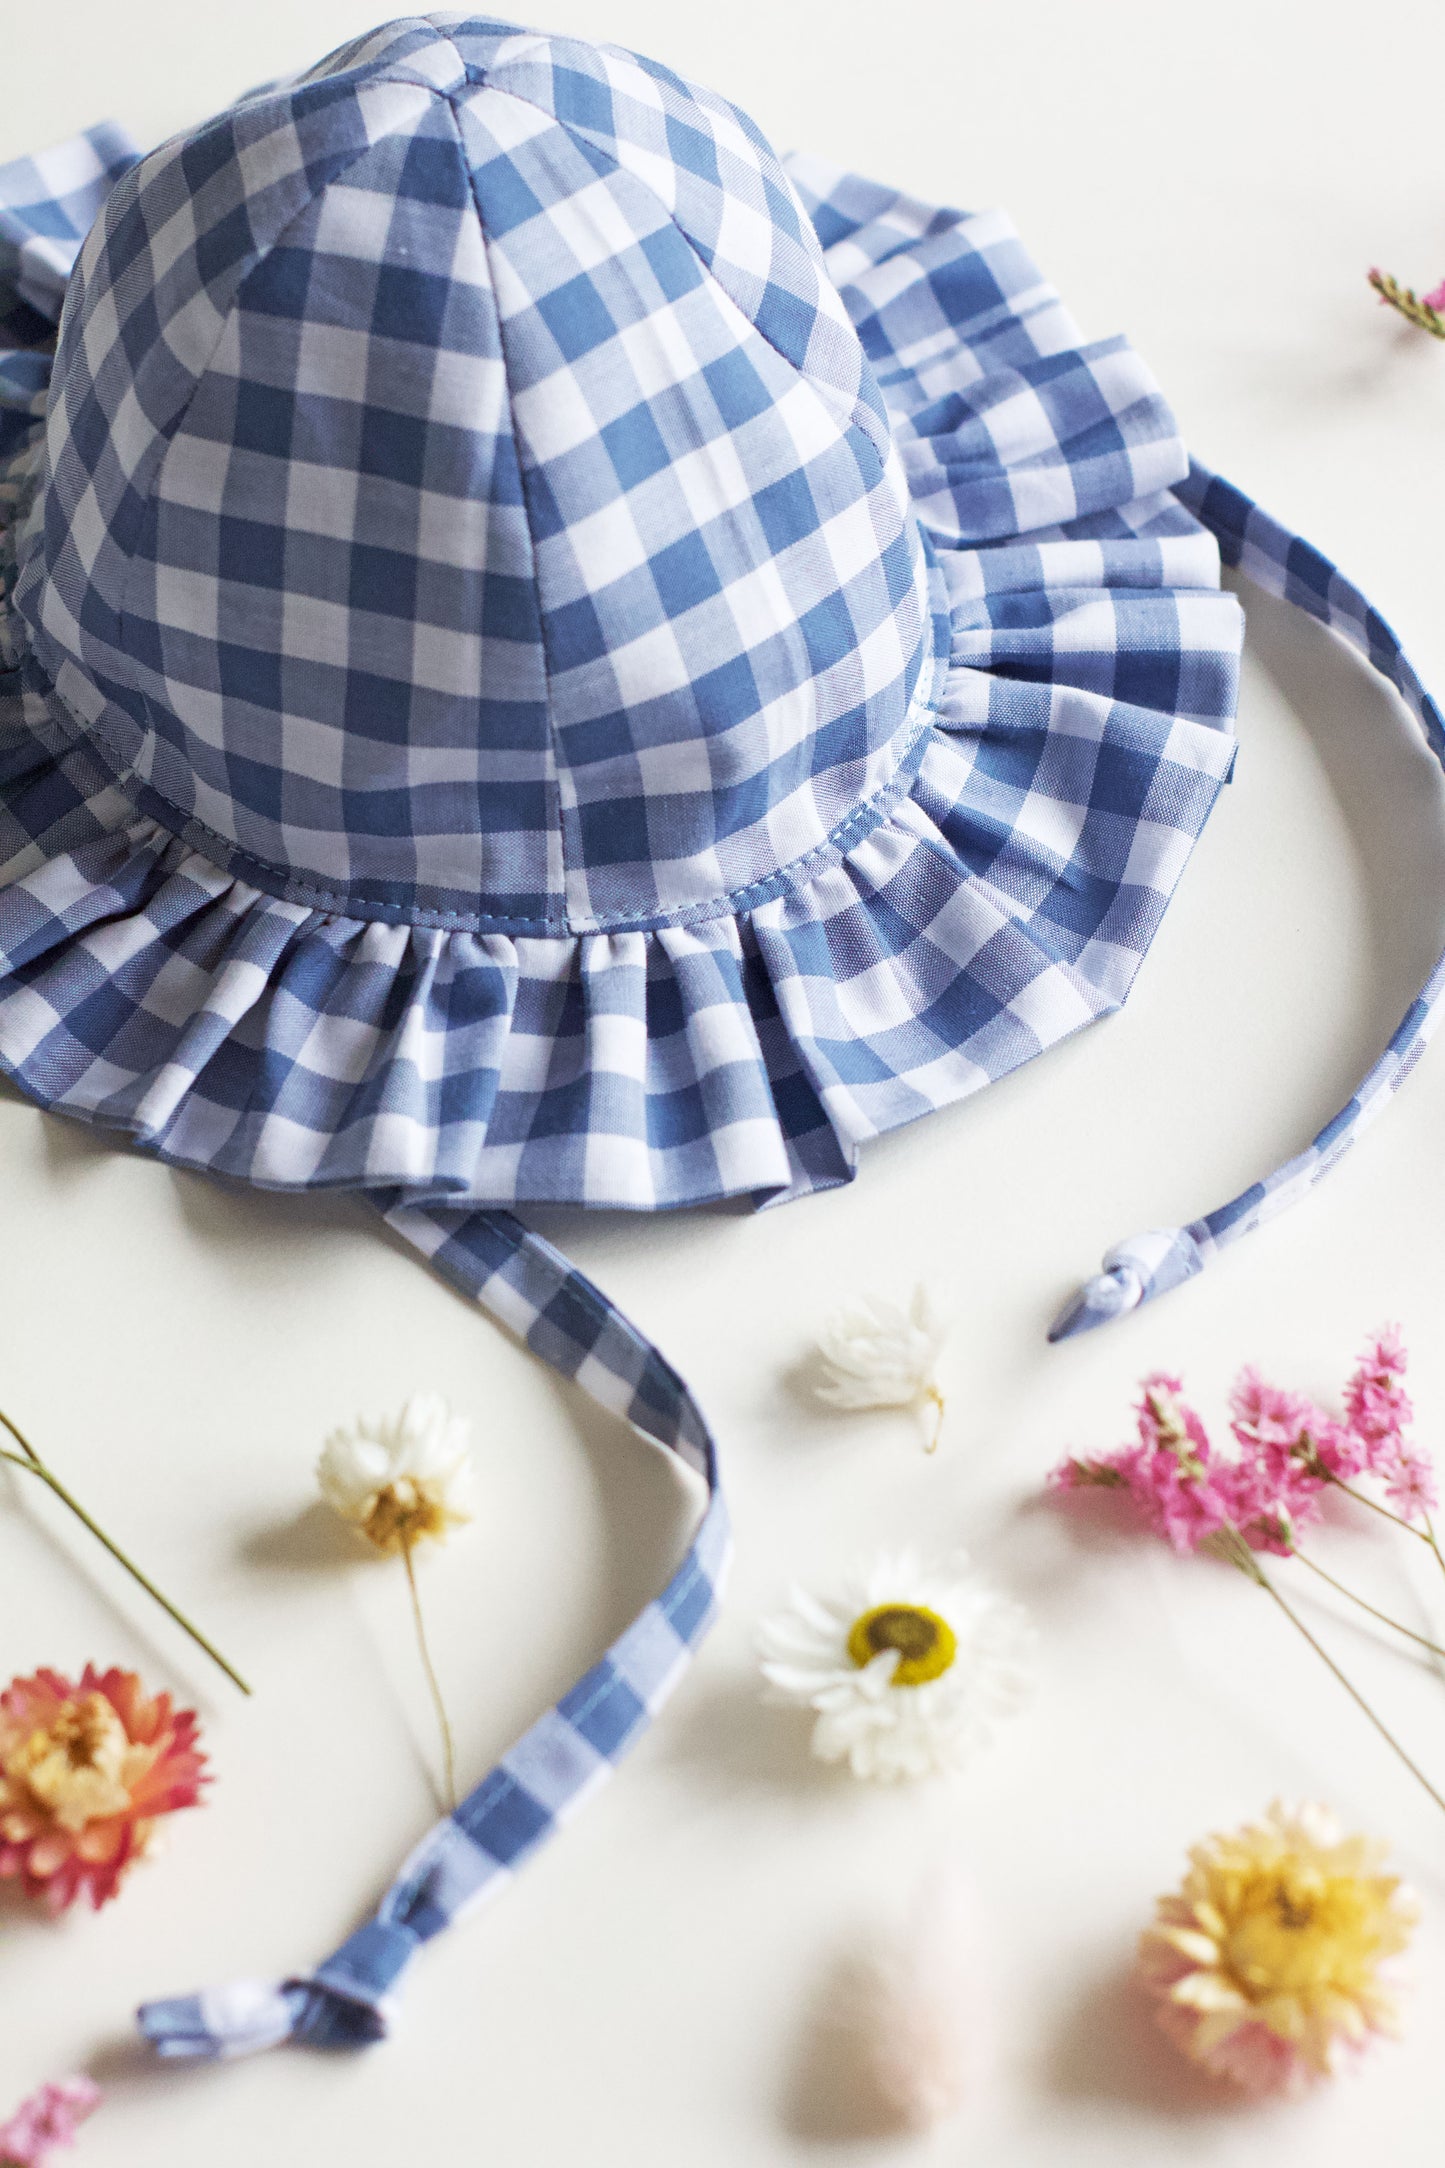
876	1354
1271	1961
87	1769
907	1667
1425	312
909	2011
1171	1472
47	2121
404	1480
1259	1498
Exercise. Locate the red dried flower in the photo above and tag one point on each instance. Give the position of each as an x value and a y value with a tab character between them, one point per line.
86	1771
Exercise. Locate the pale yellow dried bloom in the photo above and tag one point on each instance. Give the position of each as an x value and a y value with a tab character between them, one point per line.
1271	1962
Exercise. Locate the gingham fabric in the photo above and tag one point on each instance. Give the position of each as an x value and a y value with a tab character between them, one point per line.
949	860
1151	1263
471	1854
468	503
545	656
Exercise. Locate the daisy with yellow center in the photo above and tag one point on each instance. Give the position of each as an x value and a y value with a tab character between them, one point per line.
1271	1962
400	1481
907	1667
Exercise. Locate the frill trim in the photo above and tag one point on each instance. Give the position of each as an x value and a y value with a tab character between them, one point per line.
1008	900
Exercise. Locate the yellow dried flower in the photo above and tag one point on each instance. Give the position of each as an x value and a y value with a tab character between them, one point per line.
1272	1960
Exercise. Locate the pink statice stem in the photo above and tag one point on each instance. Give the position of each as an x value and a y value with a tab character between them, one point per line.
1258	1573
1424	1536
1397	1625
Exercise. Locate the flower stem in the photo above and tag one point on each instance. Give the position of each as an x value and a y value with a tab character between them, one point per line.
436	1693
934	1398
1362	1498
32	1464
1257	1573
1430	1538
1383	1616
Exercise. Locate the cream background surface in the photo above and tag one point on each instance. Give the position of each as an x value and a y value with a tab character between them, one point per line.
1215	182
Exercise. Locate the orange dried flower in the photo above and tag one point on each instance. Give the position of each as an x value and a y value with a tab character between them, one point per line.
87	1769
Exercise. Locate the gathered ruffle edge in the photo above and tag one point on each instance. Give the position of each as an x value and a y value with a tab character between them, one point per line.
1083	732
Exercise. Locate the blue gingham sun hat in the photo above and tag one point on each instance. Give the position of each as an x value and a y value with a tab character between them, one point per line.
547	655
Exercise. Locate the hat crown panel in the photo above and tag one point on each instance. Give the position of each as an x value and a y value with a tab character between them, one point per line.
467	497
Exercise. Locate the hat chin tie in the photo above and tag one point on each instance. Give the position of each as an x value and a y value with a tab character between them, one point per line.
346	2003
1133	1273
472	1853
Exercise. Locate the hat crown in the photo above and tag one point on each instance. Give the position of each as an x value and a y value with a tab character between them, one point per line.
467	500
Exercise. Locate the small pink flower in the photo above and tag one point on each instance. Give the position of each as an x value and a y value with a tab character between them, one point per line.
1290	1434
1376	1404
1340	1449
47	2121
1435	299
1172	1473
1265	1414
1411	1486
1269	1501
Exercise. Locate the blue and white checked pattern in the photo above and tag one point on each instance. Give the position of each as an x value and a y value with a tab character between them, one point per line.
46	206
46	209
997	894
1149	1264
335	538
468	502
471	1854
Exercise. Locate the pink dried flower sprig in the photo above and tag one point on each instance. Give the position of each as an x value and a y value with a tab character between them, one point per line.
46	2122
1288	1452
1259	1497
1425	311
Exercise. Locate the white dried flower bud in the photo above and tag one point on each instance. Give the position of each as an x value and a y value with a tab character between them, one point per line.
401	1479
876	1354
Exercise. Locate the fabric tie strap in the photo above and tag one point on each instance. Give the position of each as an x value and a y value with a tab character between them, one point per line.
1071	480
350	1999
1134	1272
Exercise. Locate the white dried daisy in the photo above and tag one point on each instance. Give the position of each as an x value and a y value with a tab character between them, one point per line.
908	1667
877	1354
400	1479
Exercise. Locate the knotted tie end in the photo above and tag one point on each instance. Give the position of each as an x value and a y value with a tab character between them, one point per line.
346	2003
1133	1273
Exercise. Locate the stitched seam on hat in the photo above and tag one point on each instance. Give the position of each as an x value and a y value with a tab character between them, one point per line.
233	858
859	414
554	780
761	889
165	439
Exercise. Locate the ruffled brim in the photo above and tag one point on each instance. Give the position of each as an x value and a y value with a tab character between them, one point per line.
1004	901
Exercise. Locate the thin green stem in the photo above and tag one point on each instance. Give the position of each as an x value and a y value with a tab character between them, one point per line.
1430	1538
1361	1498
934	1399
1249	1564
1383	1616
21	1440
32	1464
436	1693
